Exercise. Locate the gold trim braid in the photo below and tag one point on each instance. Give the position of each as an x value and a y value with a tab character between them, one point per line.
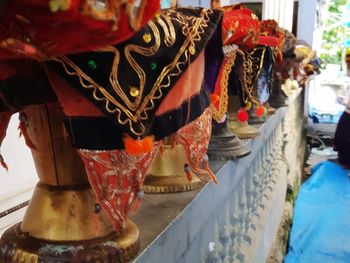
228	64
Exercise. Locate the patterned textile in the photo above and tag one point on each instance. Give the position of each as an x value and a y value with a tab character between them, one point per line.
116	178
195	139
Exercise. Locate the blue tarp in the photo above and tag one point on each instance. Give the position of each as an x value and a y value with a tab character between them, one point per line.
321	225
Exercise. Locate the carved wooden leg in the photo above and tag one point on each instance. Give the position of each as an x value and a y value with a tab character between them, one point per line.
62	222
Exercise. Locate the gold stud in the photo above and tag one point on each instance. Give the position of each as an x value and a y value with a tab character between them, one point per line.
147	37
134	92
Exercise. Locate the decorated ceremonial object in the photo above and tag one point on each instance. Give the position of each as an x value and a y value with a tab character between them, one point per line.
287	69
221	58
261	60
244	43
63	221
117	101
153	101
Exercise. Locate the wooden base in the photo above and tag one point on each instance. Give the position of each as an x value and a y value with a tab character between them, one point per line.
170	184
62	222
166	173
243	130
18	247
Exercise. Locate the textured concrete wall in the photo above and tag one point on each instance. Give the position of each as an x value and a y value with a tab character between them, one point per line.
238	220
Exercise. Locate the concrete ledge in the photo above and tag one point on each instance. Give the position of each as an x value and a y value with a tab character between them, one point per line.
236	221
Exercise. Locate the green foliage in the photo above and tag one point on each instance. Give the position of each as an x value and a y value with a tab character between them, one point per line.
332	50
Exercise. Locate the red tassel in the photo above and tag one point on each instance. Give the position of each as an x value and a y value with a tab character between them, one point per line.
212	175
260	111
187	171
3	164
189	176
137	205
138	146
242	115
23	131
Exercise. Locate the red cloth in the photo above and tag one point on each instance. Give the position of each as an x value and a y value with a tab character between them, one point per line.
28	28
196	144
272	30
116	178
240	27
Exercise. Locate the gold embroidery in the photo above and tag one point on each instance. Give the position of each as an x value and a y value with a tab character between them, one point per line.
137	111
135	11
219	113
252	68
169	30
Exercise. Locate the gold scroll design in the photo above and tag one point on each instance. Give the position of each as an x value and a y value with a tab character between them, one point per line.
219	113
252	68
136	113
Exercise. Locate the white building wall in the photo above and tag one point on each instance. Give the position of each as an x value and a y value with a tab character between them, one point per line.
279	10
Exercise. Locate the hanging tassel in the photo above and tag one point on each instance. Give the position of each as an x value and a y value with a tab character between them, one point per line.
139	197
187	171
242	115
23	131
211	174
97	225
3	163
138	146
173	142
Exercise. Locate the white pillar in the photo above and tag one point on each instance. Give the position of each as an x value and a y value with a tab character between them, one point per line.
307	20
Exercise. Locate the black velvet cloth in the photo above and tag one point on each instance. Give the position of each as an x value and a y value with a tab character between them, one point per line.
25	90
103	134
193	29
213	59
342	139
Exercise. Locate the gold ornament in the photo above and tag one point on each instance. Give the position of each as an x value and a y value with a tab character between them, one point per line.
134	92
147	37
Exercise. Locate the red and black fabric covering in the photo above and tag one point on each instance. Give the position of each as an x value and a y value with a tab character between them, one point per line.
270	28
42	29
155	89
250	41
100	133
